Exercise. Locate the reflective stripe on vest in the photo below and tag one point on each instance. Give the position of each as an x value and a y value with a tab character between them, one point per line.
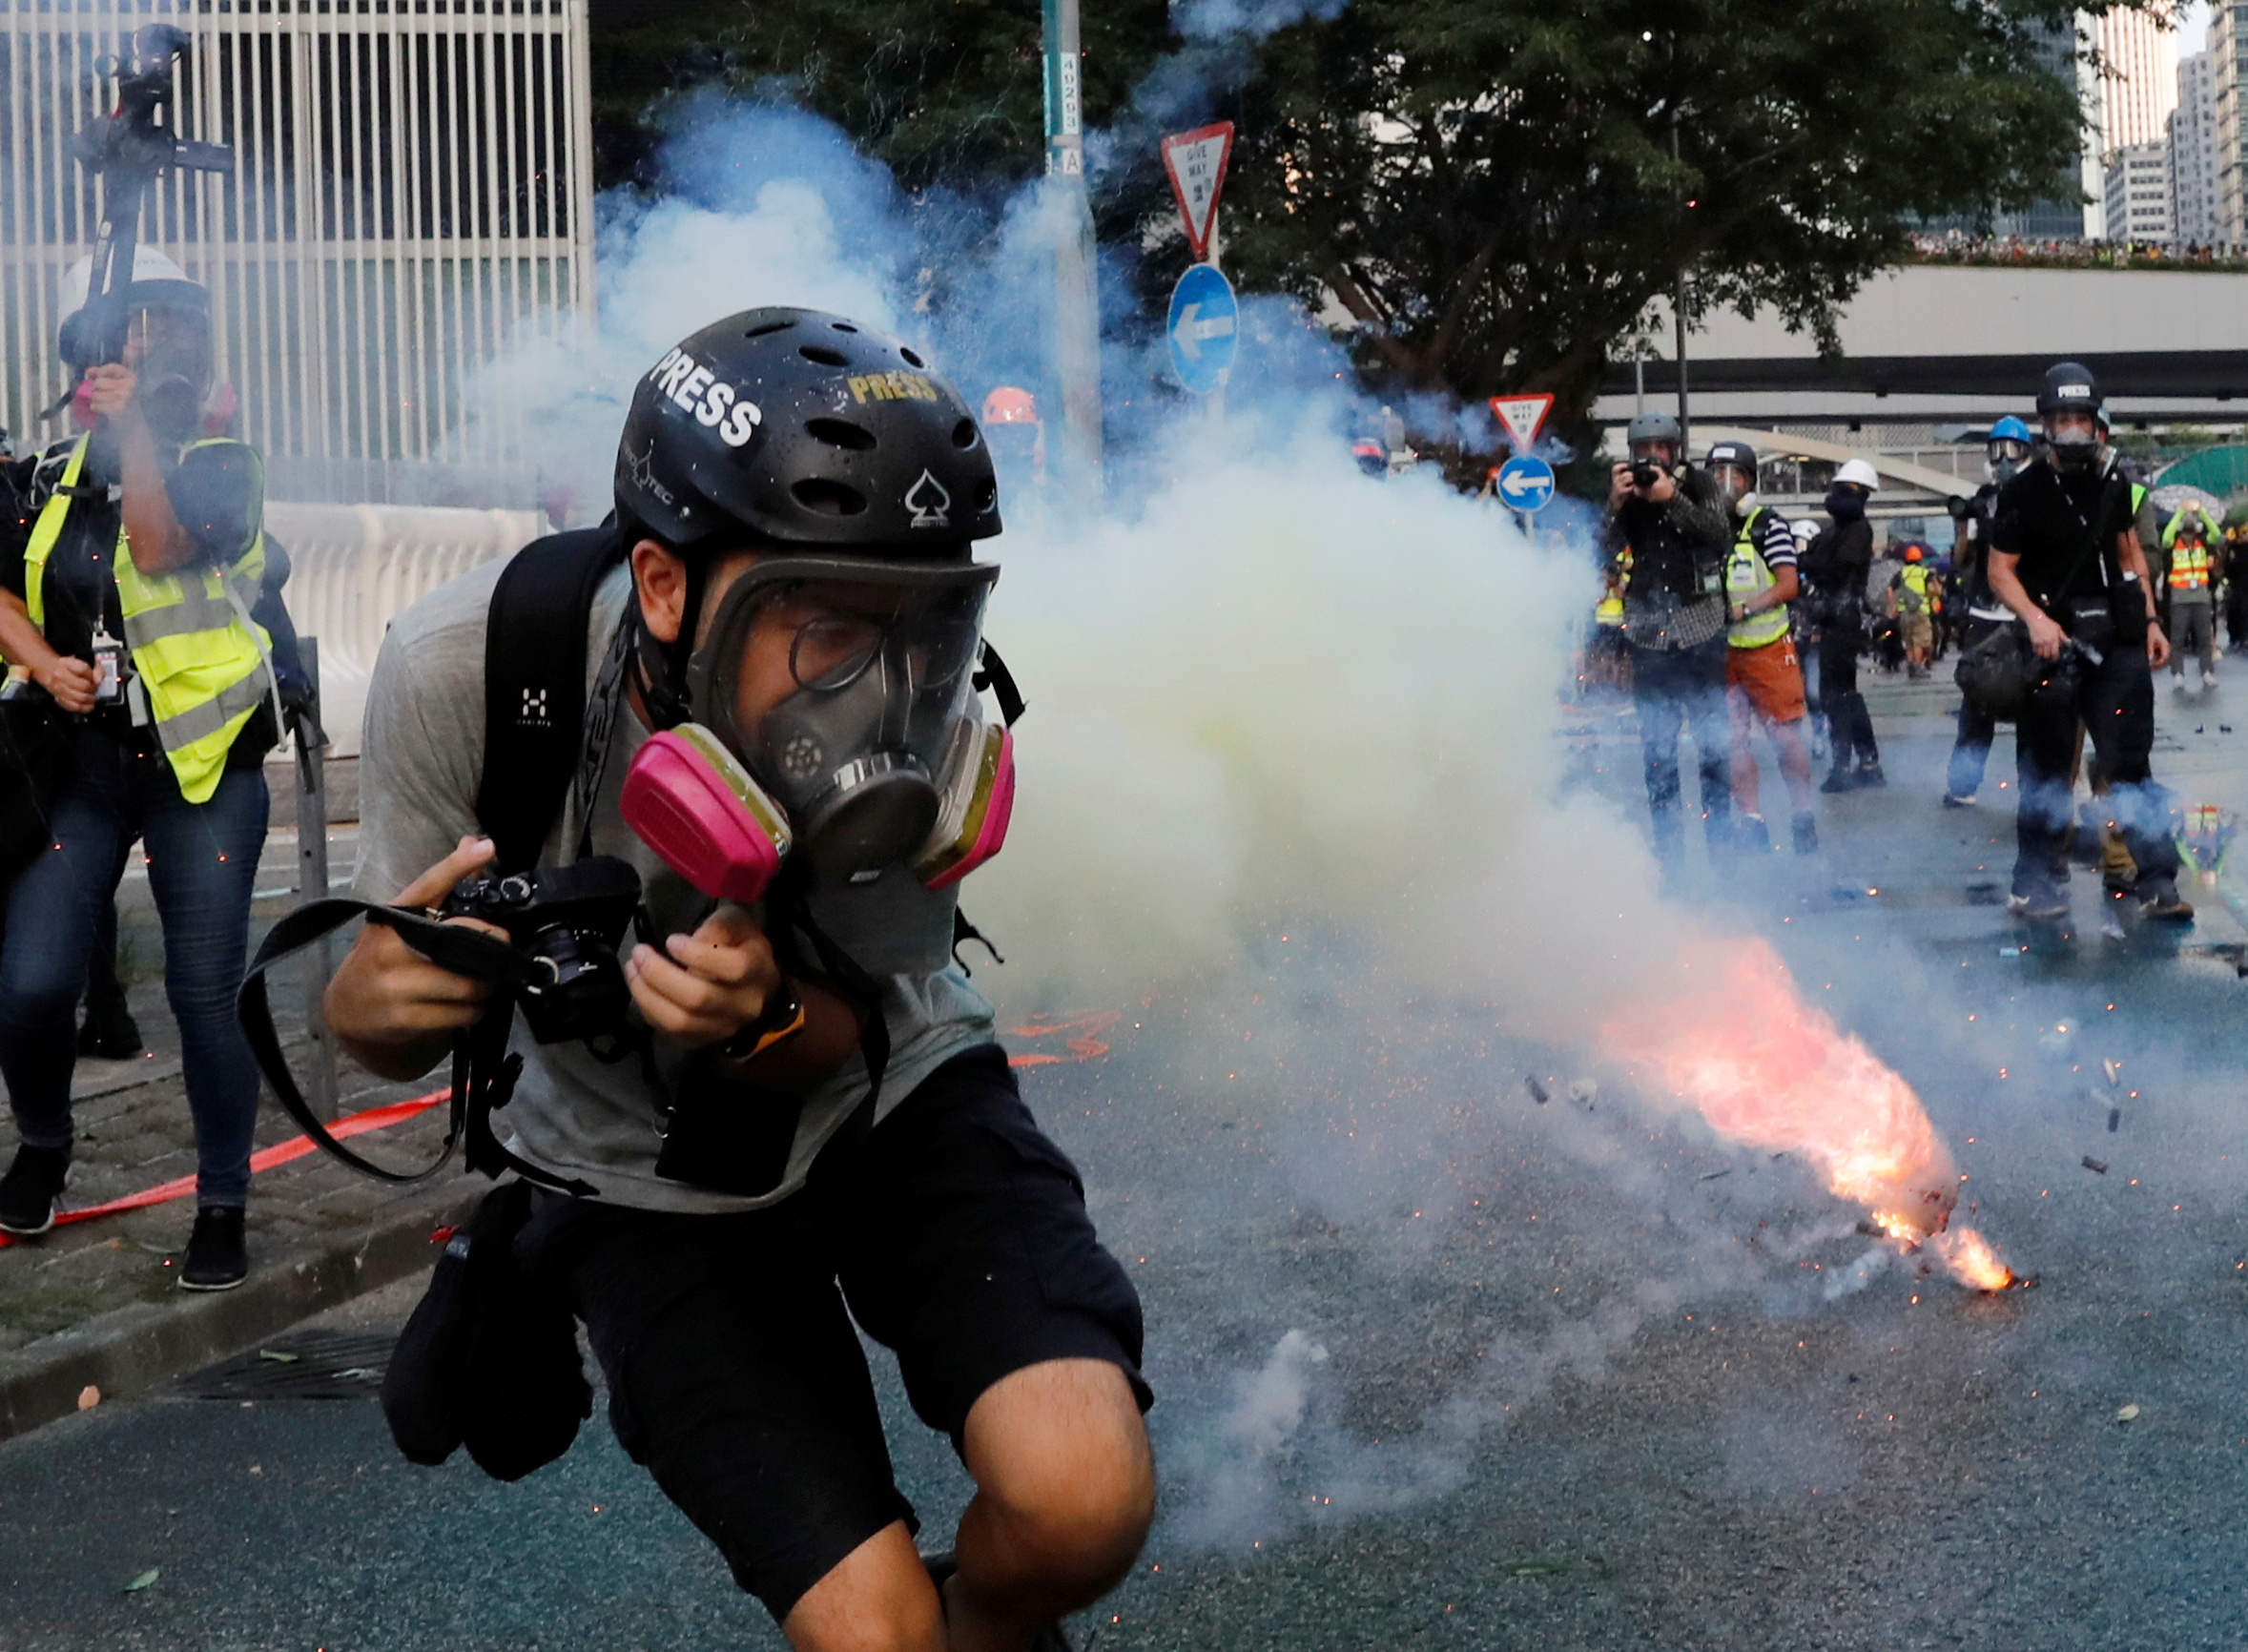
2189	568
1746	575
199	661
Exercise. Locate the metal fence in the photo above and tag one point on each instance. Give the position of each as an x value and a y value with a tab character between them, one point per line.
411	190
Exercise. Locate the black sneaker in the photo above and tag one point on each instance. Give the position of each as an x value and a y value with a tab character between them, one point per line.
28	1191
1870	775
110	1033
1838	780
1959	799
218	1259
1806	833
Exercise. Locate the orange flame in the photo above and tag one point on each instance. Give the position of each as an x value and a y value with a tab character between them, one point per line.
1768	1070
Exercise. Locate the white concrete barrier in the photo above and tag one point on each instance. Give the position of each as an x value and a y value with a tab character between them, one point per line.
357	567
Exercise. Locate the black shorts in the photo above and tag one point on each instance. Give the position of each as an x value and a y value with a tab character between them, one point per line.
956	1234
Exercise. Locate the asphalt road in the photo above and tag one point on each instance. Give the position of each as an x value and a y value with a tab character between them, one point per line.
1439	1365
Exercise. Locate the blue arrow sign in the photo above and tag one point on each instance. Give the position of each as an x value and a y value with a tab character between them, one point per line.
1204	328
1526	483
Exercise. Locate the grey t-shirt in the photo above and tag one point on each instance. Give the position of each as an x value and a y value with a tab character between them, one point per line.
421	759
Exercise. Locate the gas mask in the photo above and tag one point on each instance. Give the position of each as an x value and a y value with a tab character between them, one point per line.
837	720
2006	456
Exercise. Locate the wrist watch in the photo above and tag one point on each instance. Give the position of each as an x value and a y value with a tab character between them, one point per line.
783	1020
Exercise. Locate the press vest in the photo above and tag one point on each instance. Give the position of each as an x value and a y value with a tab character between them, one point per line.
2189	568
1746	575
200	656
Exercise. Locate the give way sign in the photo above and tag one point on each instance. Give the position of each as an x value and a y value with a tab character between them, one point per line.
1196	161
1522	416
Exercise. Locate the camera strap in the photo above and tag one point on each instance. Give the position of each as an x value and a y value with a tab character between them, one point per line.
484	1076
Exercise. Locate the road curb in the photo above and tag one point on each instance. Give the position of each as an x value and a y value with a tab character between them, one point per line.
132	1350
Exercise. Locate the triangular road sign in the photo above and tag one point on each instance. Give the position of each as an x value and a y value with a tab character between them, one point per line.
1196	161
1524	416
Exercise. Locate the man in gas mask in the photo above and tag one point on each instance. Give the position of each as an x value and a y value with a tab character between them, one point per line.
2066	561
1677	526
1838	564
1981	613
789	575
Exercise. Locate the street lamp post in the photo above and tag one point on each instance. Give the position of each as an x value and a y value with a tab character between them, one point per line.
1077	299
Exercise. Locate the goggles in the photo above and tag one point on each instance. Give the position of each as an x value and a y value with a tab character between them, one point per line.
2009	451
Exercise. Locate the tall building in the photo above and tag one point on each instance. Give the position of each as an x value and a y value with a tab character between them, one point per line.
411	192
2194	219
2228	53
2137	195
2138	78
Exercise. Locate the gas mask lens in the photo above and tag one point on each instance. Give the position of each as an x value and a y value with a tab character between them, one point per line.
839	683
2008	450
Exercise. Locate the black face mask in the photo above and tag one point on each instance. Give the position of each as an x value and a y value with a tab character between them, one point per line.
174	379
1845	505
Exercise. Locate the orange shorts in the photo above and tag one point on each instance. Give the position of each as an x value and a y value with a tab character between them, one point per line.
1770	678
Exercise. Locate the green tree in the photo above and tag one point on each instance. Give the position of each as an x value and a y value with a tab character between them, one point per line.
1495	191
948	95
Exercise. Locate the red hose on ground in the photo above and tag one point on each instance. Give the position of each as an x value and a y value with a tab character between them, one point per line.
356	1123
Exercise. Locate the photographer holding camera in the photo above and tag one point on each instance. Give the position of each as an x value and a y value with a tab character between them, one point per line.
786	1113
1678	524
126	592
2066	560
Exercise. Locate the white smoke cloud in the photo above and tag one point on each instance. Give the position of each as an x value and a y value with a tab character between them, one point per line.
1266	691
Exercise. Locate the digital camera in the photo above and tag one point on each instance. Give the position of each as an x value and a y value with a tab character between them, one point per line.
569	920
1643	475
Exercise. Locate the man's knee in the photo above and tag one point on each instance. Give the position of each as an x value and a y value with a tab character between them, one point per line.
1061	1462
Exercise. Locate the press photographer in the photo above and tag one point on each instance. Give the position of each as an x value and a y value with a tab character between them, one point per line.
713	772
127	593
2066	560
1678	527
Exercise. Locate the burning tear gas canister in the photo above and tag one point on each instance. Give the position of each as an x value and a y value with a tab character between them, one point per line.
1766	1069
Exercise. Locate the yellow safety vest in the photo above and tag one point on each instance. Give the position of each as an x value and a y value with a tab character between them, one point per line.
1747	574
2189	568
200	656
1914	577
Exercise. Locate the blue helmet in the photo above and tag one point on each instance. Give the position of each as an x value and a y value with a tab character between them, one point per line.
2009	429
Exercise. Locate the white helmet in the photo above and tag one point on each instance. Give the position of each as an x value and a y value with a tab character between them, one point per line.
149	264
1857	470
1805	531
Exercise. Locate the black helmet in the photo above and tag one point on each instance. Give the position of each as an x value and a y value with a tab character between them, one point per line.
2068	388
807	428
1736	453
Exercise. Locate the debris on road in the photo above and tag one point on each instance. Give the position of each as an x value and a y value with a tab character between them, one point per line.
2098	1166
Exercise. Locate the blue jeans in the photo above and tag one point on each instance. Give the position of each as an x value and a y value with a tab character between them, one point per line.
203	866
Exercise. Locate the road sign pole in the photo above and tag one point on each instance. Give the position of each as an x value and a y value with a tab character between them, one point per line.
1077	298
1217	396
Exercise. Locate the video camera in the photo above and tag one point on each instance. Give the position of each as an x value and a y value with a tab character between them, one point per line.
128	148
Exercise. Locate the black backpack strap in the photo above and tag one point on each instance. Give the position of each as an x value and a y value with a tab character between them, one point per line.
480	1083
534	687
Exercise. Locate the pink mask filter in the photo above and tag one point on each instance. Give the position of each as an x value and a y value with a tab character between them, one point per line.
690	799
979	801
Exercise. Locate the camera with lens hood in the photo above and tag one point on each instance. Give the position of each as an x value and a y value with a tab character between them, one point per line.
569	920
1643	474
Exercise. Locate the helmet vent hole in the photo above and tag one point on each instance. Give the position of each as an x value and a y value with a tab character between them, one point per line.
760	331
963	434
841	433
824	356
843	327
825	498
987	496
912	360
